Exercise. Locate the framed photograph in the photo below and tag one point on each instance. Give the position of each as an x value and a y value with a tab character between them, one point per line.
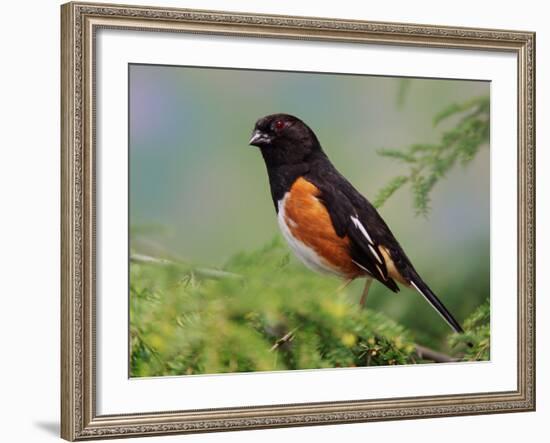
283	221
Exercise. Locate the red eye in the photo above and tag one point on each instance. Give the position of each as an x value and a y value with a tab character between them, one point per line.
279	124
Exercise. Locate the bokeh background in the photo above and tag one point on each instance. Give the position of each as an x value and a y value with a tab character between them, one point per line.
200	194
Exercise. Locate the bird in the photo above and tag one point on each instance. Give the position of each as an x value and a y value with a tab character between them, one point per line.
329	225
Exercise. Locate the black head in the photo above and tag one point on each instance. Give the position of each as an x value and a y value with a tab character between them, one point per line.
284	139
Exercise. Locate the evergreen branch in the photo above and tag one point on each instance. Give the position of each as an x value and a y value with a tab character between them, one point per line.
223	325
475	105
476	335
388	190
200	271
429	163
429	354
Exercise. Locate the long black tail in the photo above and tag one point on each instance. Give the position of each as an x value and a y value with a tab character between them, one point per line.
432	299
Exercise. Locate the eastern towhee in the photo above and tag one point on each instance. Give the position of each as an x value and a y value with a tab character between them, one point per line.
328	224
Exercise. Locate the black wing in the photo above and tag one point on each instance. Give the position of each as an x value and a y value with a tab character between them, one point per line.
353	215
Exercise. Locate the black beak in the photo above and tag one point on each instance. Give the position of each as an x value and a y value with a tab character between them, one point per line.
259	138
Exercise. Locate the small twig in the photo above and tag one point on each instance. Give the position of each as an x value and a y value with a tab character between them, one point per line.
429	354
201	272
289	336
215	274
147	259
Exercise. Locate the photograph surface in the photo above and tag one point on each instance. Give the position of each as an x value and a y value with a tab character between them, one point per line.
297	220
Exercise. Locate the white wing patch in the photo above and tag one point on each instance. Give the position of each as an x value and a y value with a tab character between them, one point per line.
360	226
362	267
307	255
375	254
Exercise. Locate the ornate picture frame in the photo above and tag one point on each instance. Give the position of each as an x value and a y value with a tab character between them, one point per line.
80	23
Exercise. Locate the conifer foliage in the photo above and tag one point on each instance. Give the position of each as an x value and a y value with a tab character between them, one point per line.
264	311
429	163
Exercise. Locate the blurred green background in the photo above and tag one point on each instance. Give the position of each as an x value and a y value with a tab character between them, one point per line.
199	194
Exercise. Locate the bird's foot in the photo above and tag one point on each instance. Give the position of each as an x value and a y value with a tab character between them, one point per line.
343	286
363	299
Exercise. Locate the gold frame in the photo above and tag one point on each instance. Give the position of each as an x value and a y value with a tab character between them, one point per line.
79	22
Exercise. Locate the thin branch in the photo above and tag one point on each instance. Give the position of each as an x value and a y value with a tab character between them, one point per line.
149	260
201	272
429	354
288	337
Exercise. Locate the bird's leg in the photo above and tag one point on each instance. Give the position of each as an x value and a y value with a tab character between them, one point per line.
363	300
343	285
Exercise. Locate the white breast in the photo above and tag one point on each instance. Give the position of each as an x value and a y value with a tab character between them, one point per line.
307	255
